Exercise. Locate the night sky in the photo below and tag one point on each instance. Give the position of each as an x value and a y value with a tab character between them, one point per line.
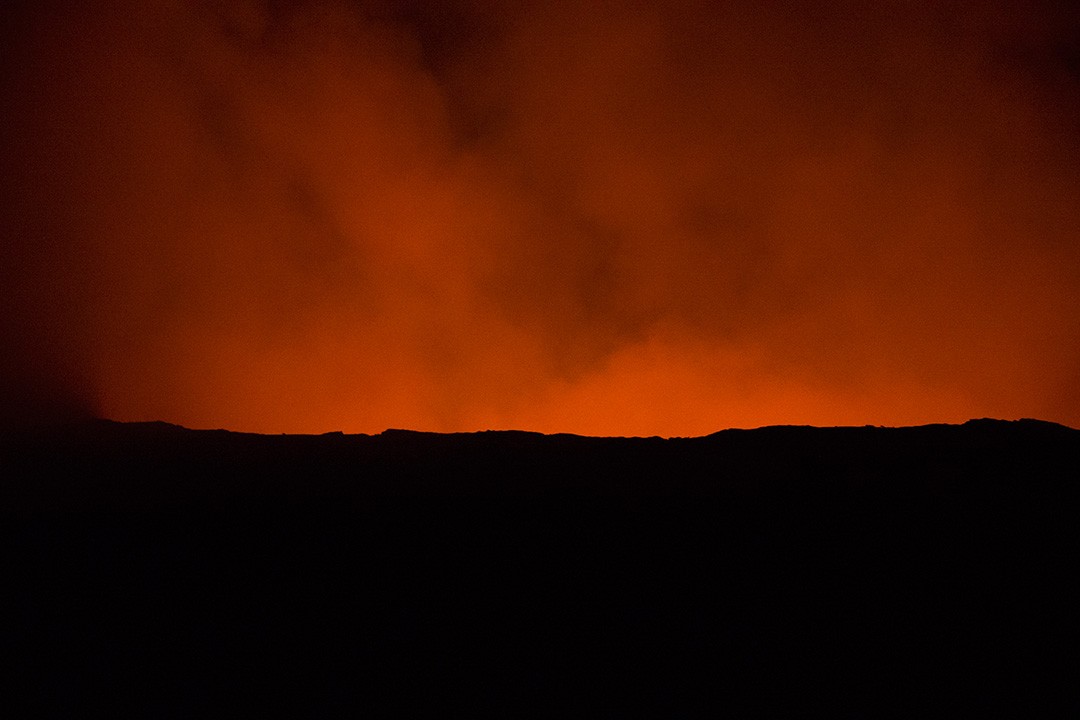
608	218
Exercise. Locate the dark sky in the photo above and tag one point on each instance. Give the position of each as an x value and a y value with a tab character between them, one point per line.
581	216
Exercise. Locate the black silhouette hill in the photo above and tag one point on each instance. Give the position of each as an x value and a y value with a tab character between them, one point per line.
855	571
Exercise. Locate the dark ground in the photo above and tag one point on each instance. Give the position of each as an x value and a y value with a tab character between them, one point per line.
867	572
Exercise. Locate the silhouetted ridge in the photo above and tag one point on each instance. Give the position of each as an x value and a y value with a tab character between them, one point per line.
847	570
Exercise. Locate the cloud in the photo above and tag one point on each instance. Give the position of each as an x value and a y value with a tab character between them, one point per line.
608	218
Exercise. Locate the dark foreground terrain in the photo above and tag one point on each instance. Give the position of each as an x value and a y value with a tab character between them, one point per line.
863	572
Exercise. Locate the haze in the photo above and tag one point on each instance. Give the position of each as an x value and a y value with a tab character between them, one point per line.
606	218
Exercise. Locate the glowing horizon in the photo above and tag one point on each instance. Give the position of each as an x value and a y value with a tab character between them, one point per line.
630	220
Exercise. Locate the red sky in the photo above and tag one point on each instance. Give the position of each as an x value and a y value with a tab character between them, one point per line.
592	217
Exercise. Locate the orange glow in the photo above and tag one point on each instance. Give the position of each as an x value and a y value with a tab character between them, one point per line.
566	217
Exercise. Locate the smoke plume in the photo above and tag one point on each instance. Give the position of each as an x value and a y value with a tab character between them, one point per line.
604	218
